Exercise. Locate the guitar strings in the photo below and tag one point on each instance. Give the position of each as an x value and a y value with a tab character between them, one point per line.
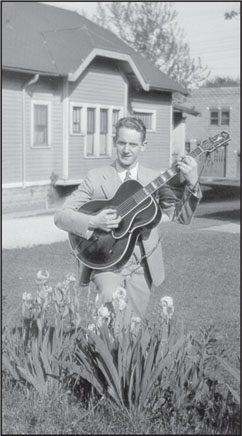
141	195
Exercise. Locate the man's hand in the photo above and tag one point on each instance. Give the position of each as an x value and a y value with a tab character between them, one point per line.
188	166
106	220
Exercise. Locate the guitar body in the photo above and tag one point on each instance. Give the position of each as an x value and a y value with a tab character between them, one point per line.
138	209
113	249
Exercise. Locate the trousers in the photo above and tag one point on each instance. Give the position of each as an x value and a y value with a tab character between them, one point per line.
134	277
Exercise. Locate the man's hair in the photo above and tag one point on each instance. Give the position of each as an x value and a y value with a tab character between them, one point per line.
131	123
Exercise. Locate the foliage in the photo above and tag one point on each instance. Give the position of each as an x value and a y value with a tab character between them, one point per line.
31	351
157	372
160	373
231	14
150	28
218	82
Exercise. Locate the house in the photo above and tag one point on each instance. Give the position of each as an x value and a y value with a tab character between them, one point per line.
219	109
65	83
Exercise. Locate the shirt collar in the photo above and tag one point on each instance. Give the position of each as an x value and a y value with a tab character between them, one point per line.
122	173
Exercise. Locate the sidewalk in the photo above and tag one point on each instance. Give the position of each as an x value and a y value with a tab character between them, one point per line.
29	228
26	231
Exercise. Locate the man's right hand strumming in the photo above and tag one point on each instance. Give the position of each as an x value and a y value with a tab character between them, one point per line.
106	220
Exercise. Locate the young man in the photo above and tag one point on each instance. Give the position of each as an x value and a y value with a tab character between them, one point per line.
145	267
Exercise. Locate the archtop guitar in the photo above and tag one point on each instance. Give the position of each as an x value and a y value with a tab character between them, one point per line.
138	209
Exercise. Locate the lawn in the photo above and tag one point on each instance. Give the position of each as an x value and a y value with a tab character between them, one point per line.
202	276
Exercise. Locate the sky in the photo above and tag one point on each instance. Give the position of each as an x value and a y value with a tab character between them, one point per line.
213	39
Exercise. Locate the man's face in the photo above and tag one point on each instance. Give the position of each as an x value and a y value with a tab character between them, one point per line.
129	145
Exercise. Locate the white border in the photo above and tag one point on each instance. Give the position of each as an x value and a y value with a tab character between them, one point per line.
26	184
42	103
79	105
72	77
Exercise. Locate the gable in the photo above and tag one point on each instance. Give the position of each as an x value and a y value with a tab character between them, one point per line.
48	40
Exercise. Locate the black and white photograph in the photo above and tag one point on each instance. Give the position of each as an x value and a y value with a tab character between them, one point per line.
120	218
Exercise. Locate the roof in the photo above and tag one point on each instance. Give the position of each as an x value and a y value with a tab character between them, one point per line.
187	110
49	40
215	91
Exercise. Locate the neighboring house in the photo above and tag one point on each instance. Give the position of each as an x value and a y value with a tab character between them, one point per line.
219	110
65	83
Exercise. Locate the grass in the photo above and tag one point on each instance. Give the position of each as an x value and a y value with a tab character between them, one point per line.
202	276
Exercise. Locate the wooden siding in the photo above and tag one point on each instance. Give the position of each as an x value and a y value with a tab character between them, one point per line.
41	162
12	133
157	153
102	83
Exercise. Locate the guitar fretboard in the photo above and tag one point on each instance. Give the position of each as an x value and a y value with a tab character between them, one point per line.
136	199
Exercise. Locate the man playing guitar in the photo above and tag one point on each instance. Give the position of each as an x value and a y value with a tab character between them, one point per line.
141	266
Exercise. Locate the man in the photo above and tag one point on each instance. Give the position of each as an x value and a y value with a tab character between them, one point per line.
145	267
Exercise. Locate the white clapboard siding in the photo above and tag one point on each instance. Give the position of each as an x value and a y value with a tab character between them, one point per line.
41	162
157	153
101	84
11	129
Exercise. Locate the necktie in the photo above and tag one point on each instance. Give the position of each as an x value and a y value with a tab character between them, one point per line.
128	176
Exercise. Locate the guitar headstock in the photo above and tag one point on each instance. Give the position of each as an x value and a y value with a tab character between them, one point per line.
215	142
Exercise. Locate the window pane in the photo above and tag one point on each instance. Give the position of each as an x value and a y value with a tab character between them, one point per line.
90	120
40	125
90	131
145	117
225	118
214	118
90	144
116	116
104	121
103	144
76	115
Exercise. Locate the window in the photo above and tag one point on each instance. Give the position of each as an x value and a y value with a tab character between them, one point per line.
40	124
214	117
103	132
116	117
220	117
91	113
95	123
76	119
225	118
148	118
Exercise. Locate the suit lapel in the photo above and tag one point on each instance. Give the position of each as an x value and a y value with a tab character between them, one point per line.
111	181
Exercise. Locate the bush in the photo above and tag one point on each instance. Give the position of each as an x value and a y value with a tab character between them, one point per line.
158	372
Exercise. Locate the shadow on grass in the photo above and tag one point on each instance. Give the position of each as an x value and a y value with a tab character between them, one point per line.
224	215
220	193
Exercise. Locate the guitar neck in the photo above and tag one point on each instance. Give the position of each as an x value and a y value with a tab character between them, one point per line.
141	195
206	146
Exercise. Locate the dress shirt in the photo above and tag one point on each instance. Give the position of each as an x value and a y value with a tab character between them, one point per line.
122	173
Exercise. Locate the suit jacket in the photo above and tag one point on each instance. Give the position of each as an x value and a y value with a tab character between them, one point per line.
102	183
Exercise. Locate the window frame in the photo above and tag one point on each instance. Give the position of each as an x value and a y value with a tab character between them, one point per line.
219	111
72	106
98	107
40	103
147	111
210	116
224	109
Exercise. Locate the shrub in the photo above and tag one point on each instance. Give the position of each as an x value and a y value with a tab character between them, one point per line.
159	372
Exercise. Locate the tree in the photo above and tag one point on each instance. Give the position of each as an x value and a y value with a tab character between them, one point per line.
232	14
218	82
150	28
